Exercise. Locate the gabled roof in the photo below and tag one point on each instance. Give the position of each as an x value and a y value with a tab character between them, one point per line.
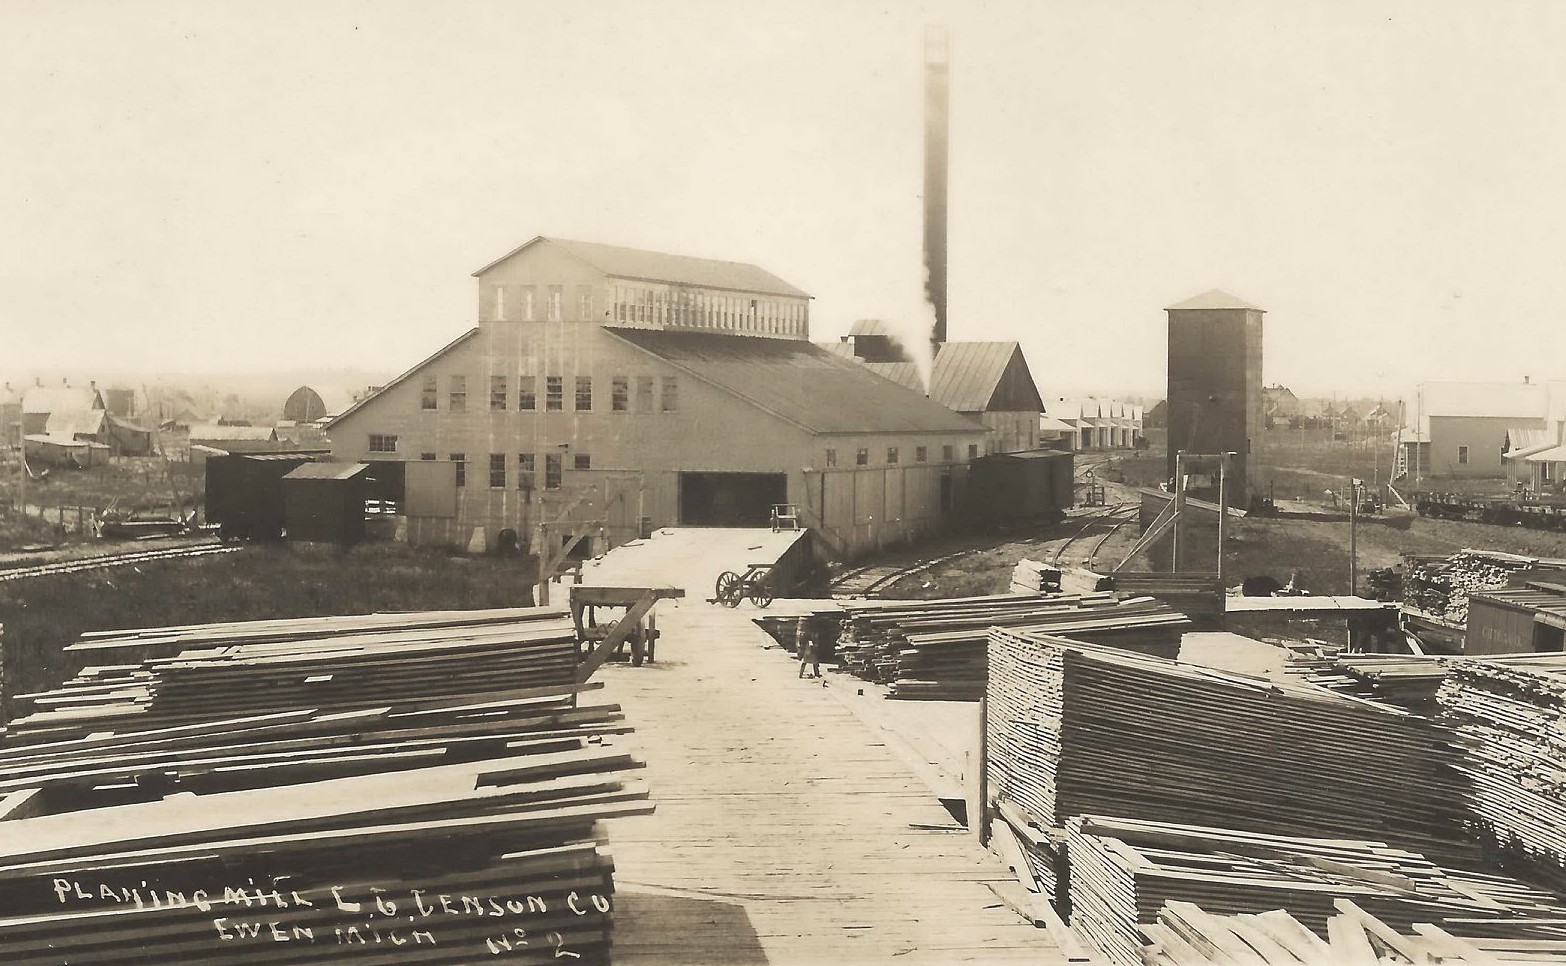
255	433
1049	424
1527	440
1555	455
966	376
635	263
799	382
403	377
75	422
1214	299
59	399
870	327
326	471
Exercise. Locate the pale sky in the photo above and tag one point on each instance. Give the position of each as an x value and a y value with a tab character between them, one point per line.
217	186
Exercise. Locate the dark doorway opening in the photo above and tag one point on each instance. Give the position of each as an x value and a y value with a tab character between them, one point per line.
730	499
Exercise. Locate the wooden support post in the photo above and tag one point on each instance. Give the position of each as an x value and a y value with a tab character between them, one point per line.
980	819
1354	537
1179	517
1223	517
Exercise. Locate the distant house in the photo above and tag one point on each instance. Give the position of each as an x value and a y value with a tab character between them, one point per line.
1470	430
61	416
1279	404
1098	423
1158	416
217	440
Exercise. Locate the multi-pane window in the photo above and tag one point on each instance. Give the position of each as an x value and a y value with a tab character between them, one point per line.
891	456
644	394
527	393
554	393
497	393
584	303
381	443
582	461
497	471
948	454
427	398
831	458
973	451
1462	455
525	471
584	394
862	457
461	459
427	457
553	465
500	303
459	394
556	297
921	454
527	303
670	401
620	394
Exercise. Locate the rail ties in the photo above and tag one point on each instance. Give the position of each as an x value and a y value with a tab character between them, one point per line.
110	560
1106	515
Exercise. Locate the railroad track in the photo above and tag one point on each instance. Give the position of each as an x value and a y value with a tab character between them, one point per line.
110	560
1125	511
866	581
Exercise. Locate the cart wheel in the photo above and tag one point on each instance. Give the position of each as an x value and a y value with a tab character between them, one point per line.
760	595
728	589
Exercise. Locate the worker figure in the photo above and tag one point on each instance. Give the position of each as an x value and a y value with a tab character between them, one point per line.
805	647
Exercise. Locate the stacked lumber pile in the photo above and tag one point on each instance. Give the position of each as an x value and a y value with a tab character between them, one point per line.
1196	595
1185	935
1077	729
1439	586
941	653
1123	873
1033	577
1508	712
1408	681
421	784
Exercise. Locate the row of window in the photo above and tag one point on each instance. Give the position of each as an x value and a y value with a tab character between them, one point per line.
526	471
707	310
620	395
894	455
519	303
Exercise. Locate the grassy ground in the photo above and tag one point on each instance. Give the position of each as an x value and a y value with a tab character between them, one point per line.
135	482
42	615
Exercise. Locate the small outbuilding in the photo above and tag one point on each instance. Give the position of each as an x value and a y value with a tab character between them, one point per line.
325	502
1022	486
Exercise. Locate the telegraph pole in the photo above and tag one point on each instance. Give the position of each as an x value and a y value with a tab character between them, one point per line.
1179	502
1223	516
1354	486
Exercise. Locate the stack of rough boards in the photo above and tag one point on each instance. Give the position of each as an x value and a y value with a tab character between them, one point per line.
418	788
936	650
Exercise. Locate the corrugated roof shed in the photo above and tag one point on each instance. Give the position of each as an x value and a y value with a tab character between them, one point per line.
1214	299
966	374
1525	440
799	382
635	263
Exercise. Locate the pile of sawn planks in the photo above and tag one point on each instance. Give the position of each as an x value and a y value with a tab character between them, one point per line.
1123	873
409	789
937	650
1508	712
1409	681
1033	577
1077	729
1439	586
1187	935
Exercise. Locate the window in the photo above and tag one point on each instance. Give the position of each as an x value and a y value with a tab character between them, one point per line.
382	444
584	303
552	469
619	303
584	394
582	461
1462	455
554	394
921	454
431	391
862	457
556	297
427	457
527	392
459	394
948	453
500	303
671	394
461	459
525	471
644	394
527	303
497	471
831	458
973	451
497	393
891	456
620	395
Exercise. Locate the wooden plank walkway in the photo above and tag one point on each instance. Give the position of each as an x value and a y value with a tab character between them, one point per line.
786	831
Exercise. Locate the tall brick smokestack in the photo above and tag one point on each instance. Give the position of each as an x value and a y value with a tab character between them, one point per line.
936	123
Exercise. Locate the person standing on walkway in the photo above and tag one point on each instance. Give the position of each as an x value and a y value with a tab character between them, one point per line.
805	647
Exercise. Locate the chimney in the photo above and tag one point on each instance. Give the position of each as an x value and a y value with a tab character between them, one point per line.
936	71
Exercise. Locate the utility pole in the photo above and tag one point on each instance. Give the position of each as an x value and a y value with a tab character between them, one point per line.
1354	486
1223	516
1179	518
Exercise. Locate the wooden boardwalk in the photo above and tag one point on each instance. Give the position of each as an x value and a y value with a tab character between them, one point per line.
786	831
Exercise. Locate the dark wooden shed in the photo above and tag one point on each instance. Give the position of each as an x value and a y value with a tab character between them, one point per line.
1020	486
324	502
244	493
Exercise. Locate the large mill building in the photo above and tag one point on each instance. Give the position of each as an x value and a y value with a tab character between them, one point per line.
609	390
